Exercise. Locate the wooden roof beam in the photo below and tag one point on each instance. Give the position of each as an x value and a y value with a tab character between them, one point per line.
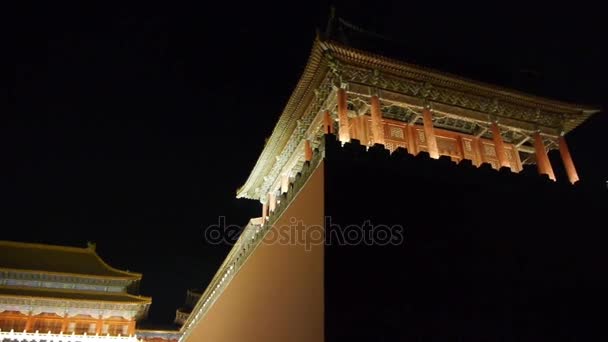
526	138
482	132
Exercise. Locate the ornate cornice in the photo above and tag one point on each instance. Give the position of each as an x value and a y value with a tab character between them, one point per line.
429	78
314	73
74	307
76	303
7	273
70	300
85	277
298	134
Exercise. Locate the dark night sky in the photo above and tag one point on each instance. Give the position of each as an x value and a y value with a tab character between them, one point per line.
135	125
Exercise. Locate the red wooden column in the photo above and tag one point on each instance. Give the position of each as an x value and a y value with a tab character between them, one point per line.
272	202
377	127
64	324
542	160
429	132
308	150
132	328
344	134
355	129
411	139
360	129
499	145
29	323
284	183
264	210
327	125
99	325
564	151
460	147
476	144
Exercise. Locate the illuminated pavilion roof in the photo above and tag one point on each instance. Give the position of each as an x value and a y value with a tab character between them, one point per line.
58	260
469	103
60	279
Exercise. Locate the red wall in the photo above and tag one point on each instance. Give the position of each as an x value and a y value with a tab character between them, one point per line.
278	294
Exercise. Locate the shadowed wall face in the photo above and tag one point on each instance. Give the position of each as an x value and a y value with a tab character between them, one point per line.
278	293
485	256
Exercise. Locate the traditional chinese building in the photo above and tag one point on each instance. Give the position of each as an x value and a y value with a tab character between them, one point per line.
460	166
57	293
182	314
377	100
172	333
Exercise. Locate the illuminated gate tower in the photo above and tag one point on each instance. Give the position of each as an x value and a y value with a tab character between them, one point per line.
284	292
57	293
377	100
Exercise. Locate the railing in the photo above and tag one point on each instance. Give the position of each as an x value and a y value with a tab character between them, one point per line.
48	337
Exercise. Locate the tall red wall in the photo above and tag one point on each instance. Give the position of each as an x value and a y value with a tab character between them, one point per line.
278	293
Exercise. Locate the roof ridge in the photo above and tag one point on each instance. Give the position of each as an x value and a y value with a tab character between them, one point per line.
90	250
131	276
106	265
45	246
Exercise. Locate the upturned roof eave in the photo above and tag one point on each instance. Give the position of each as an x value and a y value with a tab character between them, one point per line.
114	273
275	142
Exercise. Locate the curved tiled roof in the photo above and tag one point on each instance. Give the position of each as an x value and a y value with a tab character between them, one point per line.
57	260
401	68
286	124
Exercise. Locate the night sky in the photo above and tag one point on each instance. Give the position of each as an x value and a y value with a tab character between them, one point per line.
134	126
